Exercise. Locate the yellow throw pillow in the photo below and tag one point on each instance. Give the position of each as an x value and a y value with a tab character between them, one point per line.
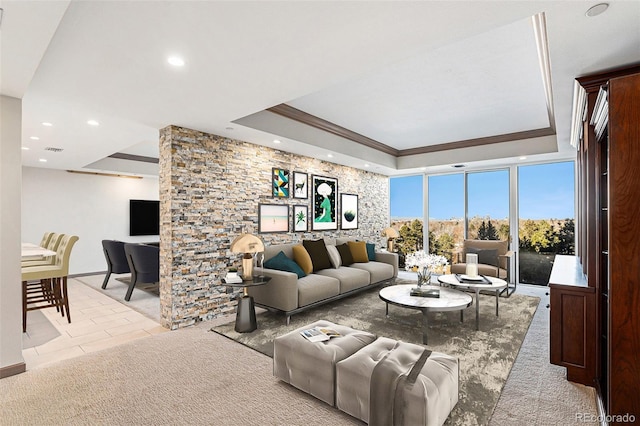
302	258
358	251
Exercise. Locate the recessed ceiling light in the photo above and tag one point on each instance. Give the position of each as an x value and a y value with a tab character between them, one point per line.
423	168
46	124
25	148
34	138
523	158
93	123
276	141
458	166
43	160
597	9
330	155
176	61
229	128
366	165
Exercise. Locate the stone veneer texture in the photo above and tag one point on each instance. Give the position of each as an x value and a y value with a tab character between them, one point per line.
210	187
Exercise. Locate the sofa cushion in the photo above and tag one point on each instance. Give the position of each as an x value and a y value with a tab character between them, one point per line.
319	256
282	263
345	254
377	270
314	288
334	256
358	251
486	256
302	258
371	252
350	278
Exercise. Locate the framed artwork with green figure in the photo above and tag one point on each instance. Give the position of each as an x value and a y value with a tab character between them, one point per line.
325	193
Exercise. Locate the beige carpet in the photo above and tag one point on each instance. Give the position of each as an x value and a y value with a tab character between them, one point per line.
186	377
195	377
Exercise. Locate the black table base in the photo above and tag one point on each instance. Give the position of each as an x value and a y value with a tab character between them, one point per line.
246	316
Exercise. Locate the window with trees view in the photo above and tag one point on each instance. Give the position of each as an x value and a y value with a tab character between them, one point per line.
546	223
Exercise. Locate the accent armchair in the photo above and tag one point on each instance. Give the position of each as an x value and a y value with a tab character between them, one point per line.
144	262
116	259
494	259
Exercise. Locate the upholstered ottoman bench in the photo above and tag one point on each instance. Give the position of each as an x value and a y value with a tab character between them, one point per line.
389	382
310	366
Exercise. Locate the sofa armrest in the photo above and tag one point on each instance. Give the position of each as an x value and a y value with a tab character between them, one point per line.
508	254
390	258
279	293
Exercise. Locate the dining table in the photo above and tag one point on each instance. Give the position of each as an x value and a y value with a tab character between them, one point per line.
32	251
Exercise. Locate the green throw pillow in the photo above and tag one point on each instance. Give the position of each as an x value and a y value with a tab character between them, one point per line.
282	263
371	252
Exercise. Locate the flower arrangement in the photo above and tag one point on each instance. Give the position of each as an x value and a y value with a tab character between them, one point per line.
421	260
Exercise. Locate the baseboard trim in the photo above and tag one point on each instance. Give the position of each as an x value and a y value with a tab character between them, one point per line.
87	274
12	370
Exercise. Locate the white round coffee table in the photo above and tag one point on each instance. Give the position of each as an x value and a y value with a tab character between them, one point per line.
496	284
449	300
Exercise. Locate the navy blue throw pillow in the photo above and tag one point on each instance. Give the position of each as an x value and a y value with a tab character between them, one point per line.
282	263
371	252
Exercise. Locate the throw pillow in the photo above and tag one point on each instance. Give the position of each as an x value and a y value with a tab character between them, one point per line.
358	251
302	258
282	263
345	254
318	252
371	252
486	256
334	256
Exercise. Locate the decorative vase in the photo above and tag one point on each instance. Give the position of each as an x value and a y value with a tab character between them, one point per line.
424	277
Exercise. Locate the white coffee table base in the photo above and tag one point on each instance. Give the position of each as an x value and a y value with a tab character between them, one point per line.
449	300
496	285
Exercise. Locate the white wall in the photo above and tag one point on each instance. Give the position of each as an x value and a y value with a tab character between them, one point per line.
90	206
10	286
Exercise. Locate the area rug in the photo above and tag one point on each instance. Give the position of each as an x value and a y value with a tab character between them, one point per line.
145	298
485	356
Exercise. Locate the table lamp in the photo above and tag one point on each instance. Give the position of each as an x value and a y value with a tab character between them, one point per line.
391	234
247	244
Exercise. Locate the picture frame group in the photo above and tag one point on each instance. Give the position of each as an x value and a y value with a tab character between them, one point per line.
321	215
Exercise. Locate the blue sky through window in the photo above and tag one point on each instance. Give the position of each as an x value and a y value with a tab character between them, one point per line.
546	192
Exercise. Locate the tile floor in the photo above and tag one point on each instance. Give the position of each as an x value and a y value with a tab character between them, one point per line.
98	322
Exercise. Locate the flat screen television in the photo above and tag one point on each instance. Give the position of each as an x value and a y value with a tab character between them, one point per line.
144	217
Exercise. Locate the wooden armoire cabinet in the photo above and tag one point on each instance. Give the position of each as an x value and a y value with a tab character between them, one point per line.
608	188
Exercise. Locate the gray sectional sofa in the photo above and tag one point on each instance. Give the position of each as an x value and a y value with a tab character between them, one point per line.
287	293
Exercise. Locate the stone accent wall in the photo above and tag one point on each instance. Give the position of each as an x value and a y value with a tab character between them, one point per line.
210	188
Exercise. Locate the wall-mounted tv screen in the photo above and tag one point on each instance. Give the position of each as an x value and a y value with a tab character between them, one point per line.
144	217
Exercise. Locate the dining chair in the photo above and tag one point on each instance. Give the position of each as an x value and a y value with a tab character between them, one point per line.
53	244
45	286
116	259
144	262
45	239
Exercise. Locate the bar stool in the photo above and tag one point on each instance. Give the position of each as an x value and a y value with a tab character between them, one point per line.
53	244
50	286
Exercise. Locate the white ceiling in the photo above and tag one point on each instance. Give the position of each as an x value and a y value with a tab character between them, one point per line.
407	74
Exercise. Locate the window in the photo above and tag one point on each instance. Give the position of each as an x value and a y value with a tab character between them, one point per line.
407	213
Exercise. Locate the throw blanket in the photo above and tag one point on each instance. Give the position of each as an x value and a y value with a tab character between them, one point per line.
397	370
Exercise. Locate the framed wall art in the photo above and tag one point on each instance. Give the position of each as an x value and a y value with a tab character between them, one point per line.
273	218
279	182
348	211
300	218
300	185
325	194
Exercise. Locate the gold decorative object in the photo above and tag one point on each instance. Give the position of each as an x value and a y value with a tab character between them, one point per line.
390	234
247	244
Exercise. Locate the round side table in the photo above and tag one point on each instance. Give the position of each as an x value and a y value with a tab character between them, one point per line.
246	314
